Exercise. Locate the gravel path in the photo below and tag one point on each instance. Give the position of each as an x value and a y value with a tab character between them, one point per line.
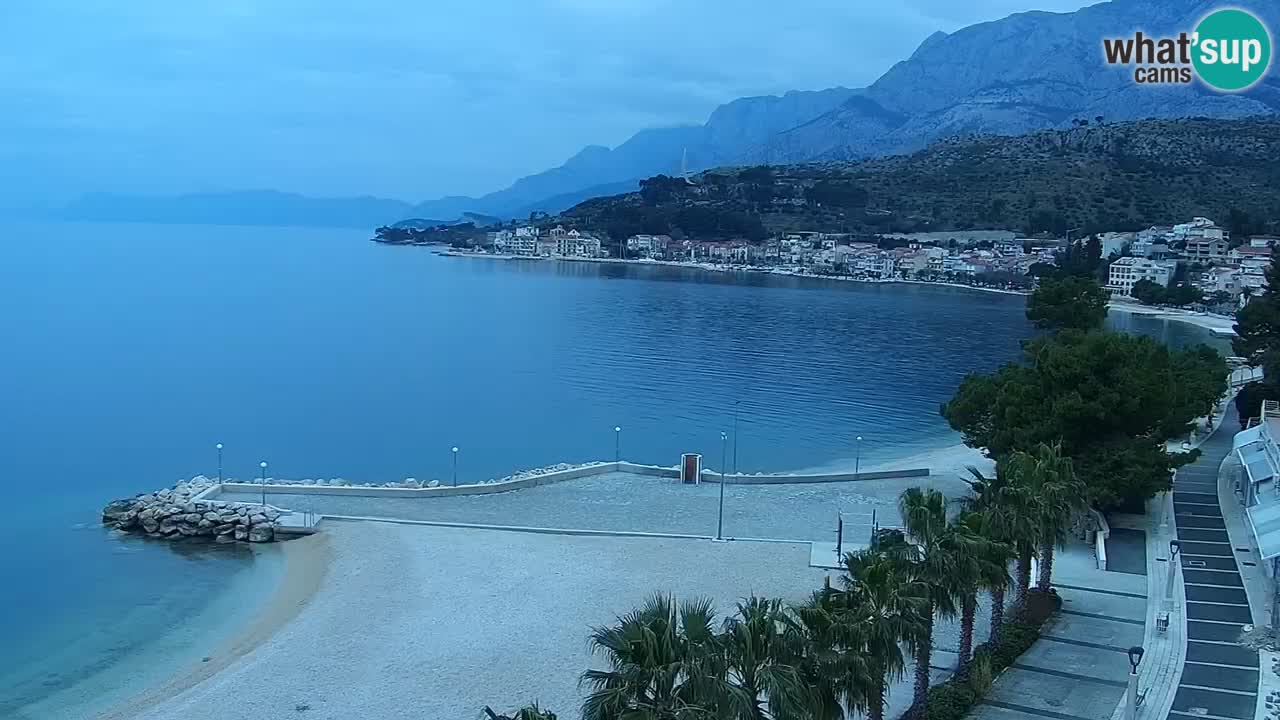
416	622
621	501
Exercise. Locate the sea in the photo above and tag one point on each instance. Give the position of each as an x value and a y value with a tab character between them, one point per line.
130	351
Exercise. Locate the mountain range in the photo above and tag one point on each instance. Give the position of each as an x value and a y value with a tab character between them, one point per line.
1029	71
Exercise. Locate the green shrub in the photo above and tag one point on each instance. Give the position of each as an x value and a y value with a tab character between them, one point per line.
980	675
950	701
954	699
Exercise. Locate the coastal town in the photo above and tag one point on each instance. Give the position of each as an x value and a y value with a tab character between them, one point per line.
1197	263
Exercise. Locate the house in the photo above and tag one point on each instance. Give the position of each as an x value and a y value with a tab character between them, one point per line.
1220	279
1198	228
572	243
546	246
1145	240
1128	270
1250	255
500	240
1012	248
910	261
1115	243
1206	250
649	245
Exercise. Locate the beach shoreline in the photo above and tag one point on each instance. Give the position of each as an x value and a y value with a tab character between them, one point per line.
306	564
1217	324
309	576
731	269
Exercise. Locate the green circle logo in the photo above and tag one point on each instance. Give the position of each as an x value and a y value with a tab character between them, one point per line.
1232	49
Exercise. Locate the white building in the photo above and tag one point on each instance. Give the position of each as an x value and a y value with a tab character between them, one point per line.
1256	484
1220	279
1115	243
1128	270
1198	227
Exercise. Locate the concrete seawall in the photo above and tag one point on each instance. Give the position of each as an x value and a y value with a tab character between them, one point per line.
556	477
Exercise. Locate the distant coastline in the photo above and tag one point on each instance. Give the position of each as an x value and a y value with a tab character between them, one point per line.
1217	324
736	269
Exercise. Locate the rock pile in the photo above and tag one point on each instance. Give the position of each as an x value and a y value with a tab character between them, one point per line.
545	470
172	513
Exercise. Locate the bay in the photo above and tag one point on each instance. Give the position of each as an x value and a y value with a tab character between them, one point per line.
130	350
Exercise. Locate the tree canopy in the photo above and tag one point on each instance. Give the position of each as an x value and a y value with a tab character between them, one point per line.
1258	326
1153	293
1067	302
1112	400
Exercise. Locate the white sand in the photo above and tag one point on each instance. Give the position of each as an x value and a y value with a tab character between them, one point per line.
415	622
946	462
1218	324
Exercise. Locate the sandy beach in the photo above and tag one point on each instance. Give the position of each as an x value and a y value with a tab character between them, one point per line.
945	461
416	622
397	620
1217	324
306	563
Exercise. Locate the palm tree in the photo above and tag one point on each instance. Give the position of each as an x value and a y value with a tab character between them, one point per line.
529	712
1058	495
834	665
933	558
983	564
886	608
762	678
1009	508
663	664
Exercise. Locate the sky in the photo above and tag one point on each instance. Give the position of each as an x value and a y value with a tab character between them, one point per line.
408	99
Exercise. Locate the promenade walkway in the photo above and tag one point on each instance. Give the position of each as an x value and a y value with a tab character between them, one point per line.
1219	677
1076	670
624	502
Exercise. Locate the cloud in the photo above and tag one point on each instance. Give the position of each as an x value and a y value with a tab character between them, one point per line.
403	99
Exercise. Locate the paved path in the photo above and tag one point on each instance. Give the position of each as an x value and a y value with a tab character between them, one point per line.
1076	670
1219	677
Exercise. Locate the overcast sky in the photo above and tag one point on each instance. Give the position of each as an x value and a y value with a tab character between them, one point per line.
403	98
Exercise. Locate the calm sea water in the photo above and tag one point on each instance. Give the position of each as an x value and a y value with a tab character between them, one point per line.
131	350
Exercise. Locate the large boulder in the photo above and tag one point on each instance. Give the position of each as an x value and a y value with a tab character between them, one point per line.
117	509
261	533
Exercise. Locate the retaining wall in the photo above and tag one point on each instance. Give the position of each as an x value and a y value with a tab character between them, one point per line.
557	477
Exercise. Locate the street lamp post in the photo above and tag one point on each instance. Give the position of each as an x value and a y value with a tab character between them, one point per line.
724	444
219	446
617	443
455	465
1174	547
736	403
263	466
857	457
1131	698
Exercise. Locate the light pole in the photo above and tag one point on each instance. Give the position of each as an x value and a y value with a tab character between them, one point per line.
455	465
857	457
1174	547
736	403
724	438
617	443
219	446
1131	703
263	466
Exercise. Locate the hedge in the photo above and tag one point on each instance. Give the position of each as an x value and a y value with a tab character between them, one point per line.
953	699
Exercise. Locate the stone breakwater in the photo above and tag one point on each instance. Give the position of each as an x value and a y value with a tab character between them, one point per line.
173	513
